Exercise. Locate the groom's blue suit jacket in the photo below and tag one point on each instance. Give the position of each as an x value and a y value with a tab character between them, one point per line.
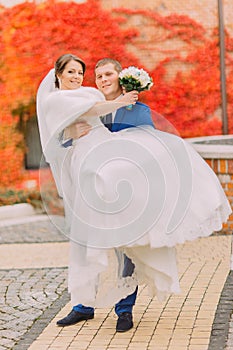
139	115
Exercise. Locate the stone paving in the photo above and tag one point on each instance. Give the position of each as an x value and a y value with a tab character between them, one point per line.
34	230
30	283
230	334
222	328
33	295
25	295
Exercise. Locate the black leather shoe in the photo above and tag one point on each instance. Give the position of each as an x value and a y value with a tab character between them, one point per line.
74	317
124	322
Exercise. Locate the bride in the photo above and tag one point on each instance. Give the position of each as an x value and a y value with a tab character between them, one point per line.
139	191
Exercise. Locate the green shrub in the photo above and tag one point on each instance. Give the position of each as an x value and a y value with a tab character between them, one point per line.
13	196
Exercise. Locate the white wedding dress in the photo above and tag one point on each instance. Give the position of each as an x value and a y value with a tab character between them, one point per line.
139	191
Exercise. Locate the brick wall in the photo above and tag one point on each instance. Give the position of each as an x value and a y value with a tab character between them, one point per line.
223	168
204	12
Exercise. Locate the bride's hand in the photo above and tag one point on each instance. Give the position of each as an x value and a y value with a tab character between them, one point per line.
129	98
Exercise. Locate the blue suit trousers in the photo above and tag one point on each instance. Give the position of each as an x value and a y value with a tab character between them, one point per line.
124	305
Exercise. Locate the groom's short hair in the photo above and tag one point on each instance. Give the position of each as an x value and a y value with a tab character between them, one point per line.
107	60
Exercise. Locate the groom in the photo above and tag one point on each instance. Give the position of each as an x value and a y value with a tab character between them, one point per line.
107	80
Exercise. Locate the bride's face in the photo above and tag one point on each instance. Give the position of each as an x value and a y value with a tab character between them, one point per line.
72	76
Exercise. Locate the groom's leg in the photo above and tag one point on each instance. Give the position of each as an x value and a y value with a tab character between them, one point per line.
77	314
83	309
124	307
126	304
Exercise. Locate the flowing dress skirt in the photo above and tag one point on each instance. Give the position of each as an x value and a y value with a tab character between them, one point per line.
138	192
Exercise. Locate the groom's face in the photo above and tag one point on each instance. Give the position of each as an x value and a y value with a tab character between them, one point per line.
107	81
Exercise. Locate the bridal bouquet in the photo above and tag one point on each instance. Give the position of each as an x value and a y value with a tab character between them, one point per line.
133	78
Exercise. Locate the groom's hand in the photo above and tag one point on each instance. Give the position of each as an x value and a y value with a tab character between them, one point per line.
77	130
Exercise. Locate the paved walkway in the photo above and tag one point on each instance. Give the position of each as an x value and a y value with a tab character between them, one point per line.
33	294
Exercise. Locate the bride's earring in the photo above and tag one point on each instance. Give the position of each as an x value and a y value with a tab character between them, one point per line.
59	82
